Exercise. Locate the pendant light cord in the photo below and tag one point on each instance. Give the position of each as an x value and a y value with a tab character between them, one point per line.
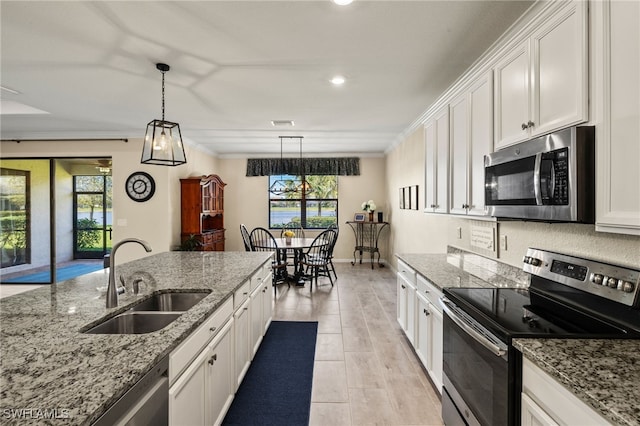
162	95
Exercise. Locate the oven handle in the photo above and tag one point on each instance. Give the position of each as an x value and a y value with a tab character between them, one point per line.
536	179
478	337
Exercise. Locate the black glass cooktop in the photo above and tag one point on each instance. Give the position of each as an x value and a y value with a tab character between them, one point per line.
510	312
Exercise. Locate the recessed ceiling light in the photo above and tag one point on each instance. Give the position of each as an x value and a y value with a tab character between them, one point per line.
338	80
281	123
342	2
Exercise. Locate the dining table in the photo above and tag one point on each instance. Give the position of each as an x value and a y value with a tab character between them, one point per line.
295	246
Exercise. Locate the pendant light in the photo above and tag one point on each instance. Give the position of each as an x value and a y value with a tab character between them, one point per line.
284	186
163	142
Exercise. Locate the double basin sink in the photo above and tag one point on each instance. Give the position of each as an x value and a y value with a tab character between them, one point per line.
152	314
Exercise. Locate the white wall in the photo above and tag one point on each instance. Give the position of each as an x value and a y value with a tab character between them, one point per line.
157	220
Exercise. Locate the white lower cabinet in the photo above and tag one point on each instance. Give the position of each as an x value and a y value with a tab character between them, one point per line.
203	393
242	348
547	402
206	369
420	316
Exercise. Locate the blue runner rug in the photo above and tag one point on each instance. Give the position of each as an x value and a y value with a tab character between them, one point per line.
277	387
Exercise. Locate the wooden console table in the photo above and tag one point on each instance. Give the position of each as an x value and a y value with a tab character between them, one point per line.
367	235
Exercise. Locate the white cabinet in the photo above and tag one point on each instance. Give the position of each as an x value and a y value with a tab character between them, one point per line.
618	106
547	402
241	339
420	316
429	341
471	139
541	84
260	309
406	299
203	393
436	139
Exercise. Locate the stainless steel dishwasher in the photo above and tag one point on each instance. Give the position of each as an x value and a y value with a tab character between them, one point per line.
146	403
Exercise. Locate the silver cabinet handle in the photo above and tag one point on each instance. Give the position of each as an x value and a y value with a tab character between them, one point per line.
212	329
427	313
530	123
213	359
524	126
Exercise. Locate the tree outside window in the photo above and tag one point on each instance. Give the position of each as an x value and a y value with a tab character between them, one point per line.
311	201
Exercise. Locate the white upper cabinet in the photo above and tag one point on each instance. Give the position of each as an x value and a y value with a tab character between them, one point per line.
541	84
618	106
436	138
471	139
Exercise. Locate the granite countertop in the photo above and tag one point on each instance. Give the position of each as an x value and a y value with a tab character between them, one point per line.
602	373
47	365
461	269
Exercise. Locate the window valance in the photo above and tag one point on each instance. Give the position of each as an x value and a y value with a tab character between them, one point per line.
344	166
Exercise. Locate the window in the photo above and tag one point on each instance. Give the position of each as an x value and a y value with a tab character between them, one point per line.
314	205
92	216
14	217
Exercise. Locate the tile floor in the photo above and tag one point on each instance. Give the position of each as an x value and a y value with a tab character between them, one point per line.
365	371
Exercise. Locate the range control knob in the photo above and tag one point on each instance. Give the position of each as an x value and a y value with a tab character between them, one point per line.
535	262
596	278
627	286
612	282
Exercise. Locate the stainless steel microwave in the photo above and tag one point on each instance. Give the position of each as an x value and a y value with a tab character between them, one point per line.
550	178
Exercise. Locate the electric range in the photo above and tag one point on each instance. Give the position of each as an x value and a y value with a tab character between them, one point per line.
568	297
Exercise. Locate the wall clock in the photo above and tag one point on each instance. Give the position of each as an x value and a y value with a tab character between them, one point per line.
140	186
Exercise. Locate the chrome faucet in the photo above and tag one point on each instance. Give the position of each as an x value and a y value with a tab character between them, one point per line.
112	293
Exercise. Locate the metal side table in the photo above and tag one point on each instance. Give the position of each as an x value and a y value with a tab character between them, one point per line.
367	235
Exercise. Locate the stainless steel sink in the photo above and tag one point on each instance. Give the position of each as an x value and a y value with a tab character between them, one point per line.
172	302
131	322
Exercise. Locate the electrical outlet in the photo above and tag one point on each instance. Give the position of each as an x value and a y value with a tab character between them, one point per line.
459	231
503	242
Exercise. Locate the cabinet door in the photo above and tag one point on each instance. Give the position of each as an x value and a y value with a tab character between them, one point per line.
267	304
430	160
435	364
480	140
618	150
511	111
533	414
401	295
422	343
459	136
257	326
559	73
442	172
220	381
410	329
187	396
242	349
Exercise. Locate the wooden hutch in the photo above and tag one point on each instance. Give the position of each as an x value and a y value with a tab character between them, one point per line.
202	211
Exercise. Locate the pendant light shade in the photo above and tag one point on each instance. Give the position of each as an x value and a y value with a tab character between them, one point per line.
296	182
163	141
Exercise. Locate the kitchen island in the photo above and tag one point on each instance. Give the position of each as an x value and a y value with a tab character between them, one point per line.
51	372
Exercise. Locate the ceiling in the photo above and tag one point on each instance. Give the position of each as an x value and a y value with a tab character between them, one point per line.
87	69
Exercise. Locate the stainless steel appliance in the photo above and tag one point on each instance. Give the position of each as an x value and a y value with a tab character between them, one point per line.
549	178
145	404
568	297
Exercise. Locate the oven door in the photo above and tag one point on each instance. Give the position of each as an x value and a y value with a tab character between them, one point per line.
476	372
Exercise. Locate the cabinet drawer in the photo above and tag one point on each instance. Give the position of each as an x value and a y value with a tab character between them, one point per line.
182	356
241	294
262	273
430	291
407	272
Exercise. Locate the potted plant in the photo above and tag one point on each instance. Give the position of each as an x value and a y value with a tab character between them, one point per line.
369	206
288	235
190	243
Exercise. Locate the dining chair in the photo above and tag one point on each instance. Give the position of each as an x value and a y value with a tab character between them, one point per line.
262	240
317	255
296	227
333	226
245	237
